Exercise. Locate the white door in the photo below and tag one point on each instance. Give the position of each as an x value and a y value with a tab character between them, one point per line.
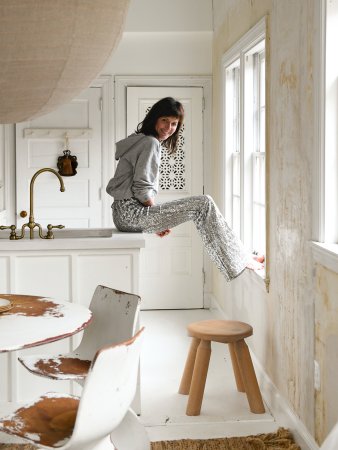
40	142
172	267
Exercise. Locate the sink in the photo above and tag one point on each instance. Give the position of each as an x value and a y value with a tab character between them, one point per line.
72	233
82	233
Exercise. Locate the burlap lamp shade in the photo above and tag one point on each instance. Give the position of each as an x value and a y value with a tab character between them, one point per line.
51	50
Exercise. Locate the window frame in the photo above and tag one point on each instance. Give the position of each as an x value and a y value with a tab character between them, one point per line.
324	230
241	48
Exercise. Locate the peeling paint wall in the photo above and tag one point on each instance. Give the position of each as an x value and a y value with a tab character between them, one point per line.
283	319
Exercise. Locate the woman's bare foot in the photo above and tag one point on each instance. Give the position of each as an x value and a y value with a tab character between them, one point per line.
258	257
163	233
254	263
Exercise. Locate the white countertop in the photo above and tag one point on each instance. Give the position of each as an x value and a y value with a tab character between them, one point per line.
116	240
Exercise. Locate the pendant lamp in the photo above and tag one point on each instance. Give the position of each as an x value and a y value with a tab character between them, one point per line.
51	50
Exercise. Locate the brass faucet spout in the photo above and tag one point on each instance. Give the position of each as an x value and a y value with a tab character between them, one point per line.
31	224
31	188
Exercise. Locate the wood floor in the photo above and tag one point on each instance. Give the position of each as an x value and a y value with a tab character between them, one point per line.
225	411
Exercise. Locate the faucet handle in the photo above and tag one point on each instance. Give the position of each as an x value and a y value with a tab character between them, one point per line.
13	235
50	234
50	226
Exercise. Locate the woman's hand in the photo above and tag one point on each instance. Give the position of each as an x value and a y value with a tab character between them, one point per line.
163	233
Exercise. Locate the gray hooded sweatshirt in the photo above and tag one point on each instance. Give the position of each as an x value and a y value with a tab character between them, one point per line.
137	171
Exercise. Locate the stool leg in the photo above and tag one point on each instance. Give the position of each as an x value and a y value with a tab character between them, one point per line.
249	377
189	367
235	366
199	378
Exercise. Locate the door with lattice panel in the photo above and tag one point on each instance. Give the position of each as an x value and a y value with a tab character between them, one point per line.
172	267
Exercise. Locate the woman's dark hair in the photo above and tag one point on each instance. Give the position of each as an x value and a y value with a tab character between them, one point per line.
167	106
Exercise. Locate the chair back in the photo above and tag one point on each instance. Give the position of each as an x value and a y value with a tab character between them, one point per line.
108	390
115	317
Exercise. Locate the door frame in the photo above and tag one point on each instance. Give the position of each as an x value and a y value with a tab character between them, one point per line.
105	83
122	82
7	134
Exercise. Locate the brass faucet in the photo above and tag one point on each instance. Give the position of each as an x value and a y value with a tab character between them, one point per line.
31	224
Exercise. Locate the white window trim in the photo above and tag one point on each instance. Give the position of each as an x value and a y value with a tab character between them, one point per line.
325	254
318	218
256	34
105	83
249	40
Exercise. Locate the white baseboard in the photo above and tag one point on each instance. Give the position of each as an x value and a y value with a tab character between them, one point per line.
279	407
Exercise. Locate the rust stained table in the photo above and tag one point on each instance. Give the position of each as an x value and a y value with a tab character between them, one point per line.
37	320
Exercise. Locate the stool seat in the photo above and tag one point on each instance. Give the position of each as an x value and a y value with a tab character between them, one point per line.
229	332
223	331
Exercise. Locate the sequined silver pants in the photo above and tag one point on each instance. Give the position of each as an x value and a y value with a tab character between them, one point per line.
223	247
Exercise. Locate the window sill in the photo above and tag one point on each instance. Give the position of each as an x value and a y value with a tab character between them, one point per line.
326	255
257	277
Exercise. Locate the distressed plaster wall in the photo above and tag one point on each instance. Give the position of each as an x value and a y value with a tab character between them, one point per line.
283	319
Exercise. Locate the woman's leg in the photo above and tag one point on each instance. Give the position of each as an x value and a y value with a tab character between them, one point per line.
223	247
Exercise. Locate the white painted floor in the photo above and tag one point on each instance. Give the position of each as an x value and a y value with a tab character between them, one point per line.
225	412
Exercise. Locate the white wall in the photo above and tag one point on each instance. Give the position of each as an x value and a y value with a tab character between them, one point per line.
175	15
162	53
164	38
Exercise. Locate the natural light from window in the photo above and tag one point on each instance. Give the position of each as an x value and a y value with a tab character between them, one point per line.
244	138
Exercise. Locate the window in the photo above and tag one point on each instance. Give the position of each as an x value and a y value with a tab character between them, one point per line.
243	69
329	225
325	156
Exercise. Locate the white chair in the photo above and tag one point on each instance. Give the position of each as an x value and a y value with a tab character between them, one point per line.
115	319
102	414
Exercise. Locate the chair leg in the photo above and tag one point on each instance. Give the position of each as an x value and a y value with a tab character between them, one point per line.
199	378
247	370
237	372
189	367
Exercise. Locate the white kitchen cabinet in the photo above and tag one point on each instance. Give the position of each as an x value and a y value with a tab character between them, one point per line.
64	269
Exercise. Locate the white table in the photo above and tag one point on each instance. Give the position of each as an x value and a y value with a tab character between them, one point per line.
37	320
33	321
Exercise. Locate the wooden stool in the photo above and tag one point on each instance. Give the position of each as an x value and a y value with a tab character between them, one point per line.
196	367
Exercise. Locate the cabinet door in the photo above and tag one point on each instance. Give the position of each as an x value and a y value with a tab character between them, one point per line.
63	275
80	205
172	267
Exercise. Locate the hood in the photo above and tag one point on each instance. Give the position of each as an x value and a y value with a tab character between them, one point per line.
126	144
